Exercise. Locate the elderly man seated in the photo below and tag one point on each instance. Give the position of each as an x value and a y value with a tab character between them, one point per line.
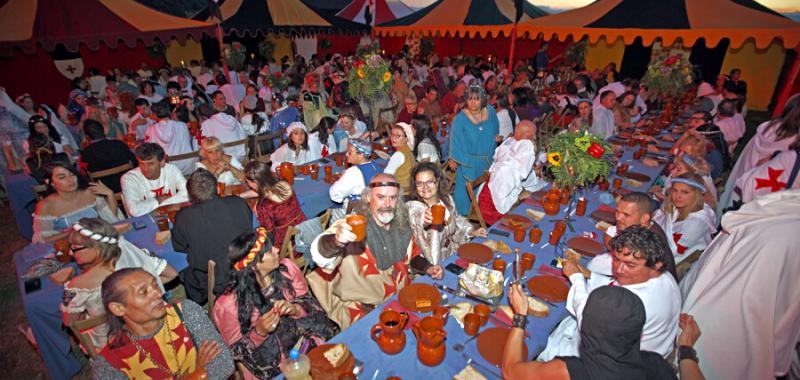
355	178
638	264
149	338
354	276
510	174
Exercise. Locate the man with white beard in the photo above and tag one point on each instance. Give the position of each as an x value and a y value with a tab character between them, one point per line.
637	264
354	276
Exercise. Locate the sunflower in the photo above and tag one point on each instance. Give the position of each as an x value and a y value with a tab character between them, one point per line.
387	76
554	158
360	73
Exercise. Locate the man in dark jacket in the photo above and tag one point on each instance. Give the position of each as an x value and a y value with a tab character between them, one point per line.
204	230
102	154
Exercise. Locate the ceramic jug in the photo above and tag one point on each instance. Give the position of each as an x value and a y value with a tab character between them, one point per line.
388	332
430	340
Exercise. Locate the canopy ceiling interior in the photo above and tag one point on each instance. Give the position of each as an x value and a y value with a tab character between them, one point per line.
253	17
670	20
460	18
381	11
25	24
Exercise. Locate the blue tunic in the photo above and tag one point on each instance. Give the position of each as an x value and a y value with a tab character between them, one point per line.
281	120
473	148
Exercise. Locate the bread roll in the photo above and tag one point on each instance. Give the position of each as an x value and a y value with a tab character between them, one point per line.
337	355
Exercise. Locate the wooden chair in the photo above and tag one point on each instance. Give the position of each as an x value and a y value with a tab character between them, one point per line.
185	156
474	213
39	191
256	148
78	328
287	248
212	298
325	218
236	143
94	176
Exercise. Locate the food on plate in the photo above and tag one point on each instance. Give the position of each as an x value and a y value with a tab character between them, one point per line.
337	355
481	282
422	303
603	226
460	310
535	214
537	308
498	246
469	373
633	183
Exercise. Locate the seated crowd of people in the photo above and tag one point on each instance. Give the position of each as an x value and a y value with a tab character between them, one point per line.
666	252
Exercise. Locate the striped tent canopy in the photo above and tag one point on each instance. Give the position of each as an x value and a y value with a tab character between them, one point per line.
381	11
689	20
25	24
467	18
255	17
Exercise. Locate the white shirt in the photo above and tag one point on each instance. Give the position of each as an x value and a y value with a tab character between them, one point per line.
662	304
690	234
395	161
427	152
513	164
350	183
249	127
174	137
603	124
227	129
139	130
506	125
225	177
140	193
152	99
619	89
316	146
732	128
285	154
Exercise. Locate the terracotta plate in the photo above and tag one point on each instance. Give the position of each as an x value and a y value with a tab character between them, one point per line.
410	294
604	216
475	253
548	288
513	221
637	176
322	369
491	342
624	135
586	246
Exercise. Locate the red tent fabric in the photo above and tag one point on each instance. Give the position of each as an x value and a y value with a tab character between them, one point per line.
26	24
381	10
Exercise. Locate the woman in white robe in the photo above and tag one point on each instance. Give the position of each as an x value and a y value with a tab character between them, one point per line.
687	221
297	149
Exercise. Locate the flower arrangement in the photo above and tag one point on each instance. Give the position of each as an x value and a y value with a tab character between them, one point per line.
668	75
368	46
369	77
278	81
234	55
578	159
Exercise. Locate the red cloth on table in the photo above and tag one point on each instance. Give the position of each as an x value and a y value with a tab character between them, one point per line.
487	207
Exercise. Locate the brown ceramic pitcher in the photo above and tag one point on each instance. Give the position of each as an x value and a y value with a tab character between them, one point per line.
430	340
388	332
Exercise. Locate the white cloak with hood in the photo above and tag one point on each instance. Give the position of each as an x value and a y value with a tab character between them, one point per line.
744	292
174	137
227	129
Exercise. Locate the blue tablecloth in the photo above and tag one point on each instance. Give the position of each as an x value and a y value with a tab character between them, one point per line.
18	186
406	364
313	195
41	306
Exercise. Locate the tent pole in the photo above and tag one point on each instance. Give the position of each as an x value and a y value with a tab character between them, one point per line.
788	84
513	46
222	53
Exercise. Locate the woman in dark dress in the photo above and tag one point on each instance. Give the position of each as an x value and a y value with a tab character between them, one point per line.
277	208
267	307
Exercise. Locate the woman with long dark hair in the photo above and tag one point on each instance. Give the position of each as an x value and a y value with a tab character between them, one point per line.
267	307
321	137
297	150
278	207
427	148
72	198
41	126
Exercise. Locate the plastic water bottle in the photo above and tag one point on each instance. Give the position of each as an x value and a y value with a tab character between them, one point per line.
297	367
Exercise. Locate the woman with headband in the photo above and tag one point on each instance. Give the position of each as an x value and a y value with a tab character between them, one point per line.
267	308
99	250
687	163
685	217
473	141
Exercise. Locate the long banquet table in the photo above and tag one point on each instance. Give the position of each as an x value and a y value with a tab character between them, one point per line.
406	365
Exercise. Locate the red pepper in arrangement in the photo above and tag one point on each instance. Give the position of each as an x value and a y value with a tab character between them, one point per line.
596	150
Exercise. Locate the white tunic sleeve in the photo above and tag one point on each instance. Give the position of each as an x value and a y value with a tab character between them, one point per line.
395	162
